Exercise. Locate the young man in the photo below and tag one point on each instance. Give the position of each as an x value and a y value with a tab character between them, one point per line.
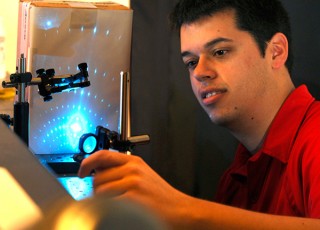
239	61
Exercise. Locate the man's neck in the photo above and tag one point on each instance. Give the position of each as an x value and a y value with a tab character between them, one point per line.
252	132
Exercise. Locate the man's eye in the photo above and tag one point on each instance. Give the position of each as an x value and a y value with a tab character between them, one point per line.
220	52
191	64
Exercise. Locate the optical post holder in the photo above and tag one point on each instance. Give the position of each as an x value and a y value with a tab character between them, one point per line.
106	139
47	84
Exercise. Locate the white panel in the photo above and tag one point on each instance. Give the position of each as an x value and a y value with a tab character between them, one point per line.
61	38
10	24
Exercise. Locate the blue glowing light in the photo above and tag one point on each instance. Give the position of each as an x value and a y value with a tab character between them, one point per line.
78	188
57	126
49	23
89	144
76	127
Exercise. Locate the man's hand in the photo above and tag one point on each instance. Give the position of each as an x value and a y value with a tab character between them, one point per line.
129	177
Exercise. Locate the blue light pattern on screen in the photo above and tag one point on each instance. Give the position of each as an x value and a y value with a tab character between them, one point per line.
56	126
62	38
78	188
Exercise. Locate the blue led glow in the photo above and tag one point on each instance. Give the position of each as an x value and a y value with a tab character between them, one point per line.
78	188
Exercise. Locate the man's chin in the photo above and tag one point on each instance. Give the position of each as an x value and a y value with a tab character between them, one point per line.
218	120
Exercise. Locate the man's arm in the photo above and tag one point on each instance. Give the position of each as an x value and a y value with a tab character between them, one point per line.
130	177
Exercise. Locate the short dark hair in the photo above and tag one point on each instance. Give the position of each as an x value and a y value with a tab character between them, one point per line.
261	18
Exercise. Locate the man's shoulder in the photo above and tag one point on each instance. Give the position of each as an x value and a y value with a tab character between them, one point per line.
312	115
309	131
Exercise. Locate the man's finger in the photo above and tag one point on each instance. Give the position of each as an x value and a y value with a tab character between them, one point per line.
100	160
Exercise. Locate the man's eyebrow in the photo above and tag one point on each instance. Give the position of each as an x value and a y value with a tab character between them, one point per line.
208	45
186	53
216	41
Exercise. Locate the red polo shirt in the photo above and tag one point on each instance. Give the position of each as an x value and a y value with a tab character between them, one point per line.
283	177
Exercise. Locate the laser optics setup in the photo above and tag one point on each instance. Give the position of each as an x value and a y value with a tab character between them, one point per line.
49	84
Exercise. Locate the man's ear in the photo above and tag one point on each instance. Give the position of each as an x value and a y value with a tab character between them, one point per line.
279	49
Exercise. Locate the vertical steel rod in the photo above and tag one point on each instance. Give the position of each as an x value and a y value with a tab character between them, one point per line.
125	116
21	107
22	86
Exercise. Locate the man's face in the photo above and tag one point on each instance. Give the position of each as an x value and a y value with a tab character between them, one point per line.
228	74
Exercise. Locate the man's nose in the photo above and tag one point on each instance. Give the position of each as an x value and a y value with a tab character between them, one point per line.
204	70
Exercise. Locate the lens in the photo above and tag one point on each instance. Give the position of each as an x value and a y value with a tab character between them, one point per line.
88	143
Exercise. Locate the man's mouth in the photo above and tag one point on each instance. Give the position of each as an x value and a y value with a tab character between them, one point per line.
211	93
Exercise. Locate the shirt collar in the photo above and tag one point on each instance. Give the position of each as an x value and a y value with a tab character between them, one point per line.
281	134
284	127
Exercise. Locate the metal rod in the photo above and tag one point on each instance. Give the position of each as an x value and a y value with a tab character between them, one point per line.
22	86
125	118
21	107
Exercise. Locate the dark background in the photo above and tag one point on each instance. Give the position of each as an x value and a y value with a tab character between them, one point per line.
186	149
